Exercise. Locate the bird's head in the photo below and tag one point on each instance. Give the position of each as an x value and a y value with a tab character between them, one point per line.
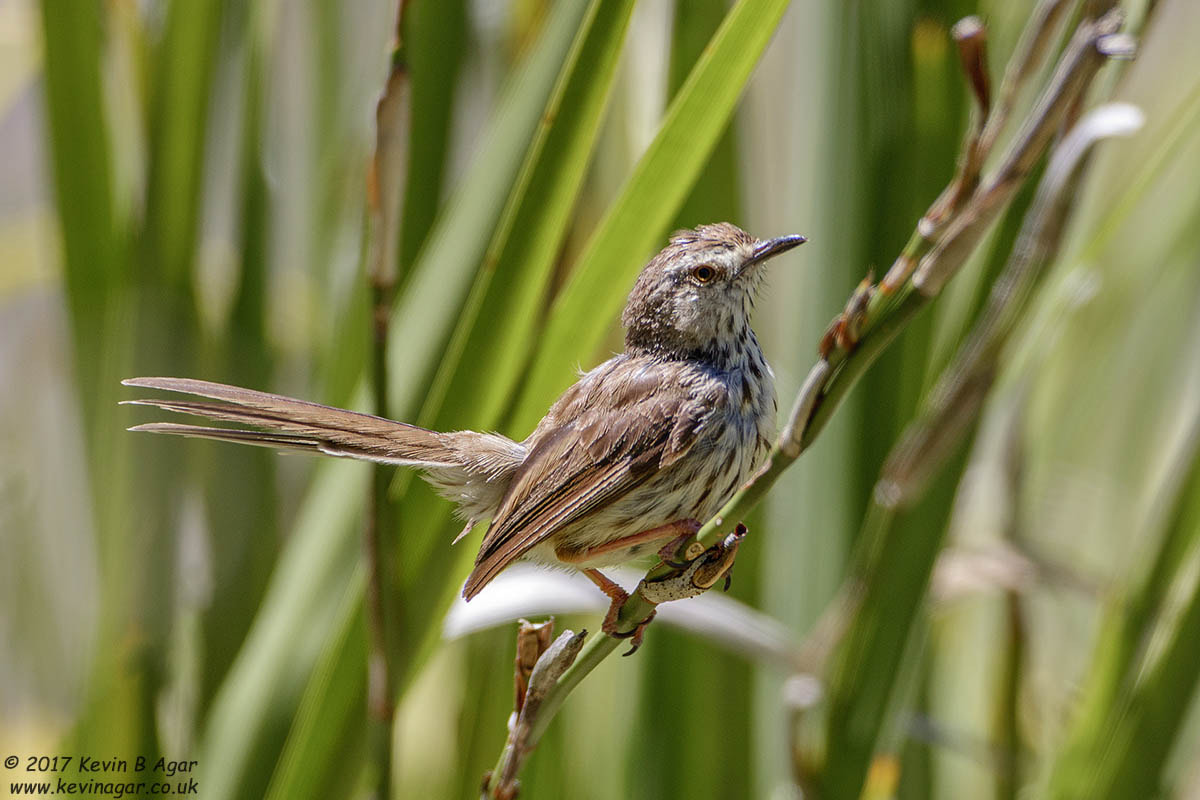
695	297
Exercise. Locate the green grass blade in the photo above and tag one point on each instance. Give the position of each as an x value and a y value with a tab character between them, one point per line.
1144	671
94	261
634	226
716	195
443	274
243	530
443	277
181	83
324	749
125	677
81	165
483	363
436	44
255	705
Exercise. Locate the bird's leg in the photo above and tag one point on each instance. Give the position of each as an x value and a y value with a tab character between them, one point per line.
700	570
681	530
669	552
618	596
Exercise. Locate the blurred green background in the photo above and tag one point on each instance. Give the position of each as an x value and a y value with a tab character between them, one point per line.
183	192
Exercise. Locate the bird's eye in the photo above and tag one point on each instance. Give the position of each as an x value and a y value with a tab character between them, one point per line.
703	274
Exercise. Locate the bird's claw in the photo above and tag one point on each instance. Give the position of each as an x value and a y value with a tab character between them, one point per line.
609	626
636	635
697	575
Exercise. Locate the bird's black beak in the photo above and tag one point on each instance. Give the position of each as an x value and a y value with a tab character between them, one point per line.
773	247
770	248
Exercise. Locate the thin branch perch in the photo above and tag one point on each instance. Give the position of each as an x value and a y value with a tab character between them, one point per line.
957	397
537	708
887	594
385	181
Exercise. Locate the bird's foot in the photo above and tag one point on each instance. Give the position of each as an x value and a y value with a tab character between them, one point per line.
635	636
697	575
618	596
693	576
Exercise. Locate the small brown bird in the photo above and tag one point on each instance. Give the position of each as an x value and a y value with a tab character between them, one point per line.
625	462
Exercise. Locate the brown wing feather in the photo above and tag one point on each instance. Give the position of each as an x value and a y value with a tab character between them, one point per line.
592	448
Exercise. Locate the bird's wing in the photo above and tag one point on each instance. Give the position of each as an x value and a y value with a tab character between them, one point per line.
609	433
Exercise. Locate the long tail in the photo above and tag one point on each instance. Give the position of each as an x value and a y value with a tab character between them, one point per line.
296	424
470	469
